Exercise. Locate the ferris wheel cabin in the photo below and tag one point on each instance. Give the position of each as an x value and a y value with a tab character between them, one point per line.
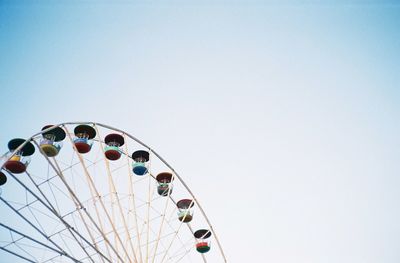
185	214
3	178
113	141
140	158
83	136
18	162
51	142
164	181
202	244
46	179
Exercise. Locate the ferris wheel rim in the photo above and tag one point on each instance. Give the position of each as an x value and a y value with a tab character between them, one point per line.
48	128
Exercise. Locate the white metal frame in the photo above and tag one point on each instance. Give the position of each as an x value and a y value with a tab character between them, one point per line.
120	250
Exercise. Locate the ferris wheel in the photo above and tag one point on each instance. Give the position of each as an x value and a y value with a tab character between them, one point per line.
88	192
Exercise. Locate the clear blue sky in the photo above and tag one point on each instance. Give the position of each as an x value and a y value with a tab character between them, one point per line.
282	117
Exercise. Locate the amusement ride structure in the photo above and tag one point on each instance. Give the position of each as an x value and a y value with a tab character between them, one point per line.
88	192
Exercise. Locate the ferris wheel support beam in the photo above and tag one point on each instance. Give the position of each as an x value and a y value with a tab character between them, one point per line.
131	193
31	239
114	191
188	225
94	194
144	145
180	179
184	255
37	229
176	234
45	205
113	220
161	227
53	208
16	254
162	222
148	213
160	230
77	207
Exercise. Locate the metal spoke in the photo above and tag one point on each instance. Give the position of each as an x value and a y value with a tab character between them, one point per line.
80	209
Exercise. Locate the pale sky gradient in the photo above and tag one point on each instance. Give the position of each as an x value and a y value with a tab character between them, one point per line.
283	118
